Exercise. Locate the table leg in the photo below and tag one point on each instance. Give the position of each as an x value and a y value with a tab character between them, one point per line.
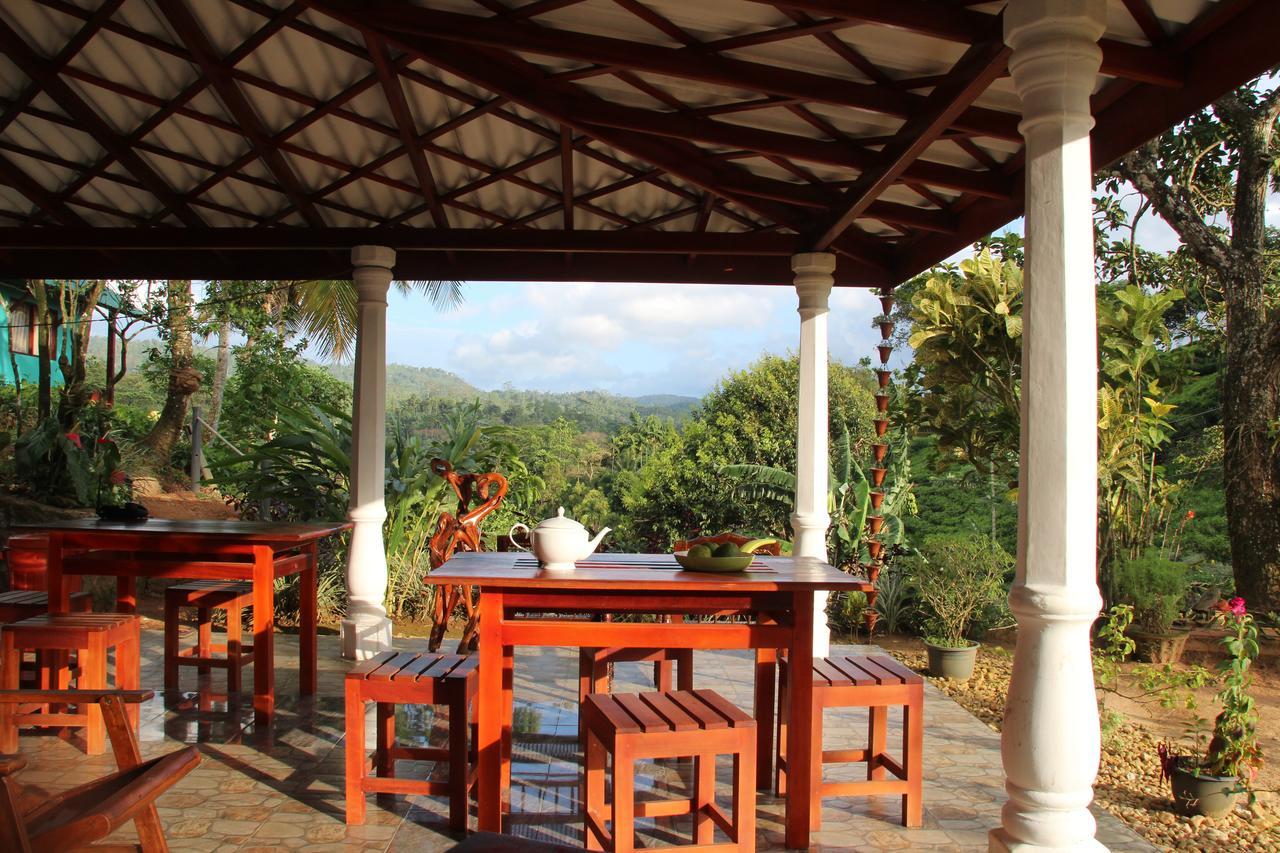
59	595
264	659
800	728
508	720
307	637
766	699
490	723
126	594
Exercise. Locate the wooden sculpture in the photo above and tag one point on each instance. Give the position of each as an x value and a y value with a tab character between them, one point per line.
461	532
73	820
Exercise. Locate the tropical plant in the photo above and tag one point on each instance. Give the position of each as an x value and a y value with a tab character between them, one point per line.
70	468
1232	751
1153	586
967	337
848	499
956	578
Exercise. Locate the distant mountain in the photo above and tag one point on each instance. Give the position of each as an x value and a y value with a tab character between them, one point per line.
406	381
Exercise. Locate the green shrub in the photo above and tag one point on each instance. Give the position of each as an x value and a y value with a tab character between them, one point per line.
1154	586
957	578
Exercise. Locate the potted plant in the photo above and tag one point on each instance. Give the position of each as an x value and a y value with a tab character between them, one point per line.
1155	587
1210	783
957	578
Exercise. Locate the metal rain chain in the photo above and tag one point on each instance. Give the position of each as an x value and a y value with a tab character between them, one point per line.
880	451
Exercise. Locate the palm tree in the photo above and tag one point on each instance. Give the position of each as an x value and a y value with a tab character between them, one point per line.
324	310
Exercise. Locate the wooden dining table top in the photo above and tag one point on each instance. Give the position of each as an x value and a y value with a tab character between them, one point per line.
641	572
268	532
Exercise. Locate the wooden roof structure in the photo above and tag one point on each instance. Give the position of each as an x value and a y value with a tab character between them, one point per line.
605	140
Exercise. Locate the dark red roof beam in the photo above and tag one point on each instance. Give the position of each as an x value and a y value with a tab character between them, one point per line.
38	69
490	32
1119	59
391	88
134	139
291	265
969	78
190	34
1242	47
566	175
93	23
38	195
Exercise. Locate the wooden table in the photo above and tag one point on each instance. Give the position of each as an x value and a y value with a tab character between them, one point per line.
778	591
258	552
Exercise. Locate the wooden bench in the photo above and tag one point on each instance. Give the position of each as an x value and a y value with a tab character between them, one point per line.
410	678
55	636
875	682
207	596
700	723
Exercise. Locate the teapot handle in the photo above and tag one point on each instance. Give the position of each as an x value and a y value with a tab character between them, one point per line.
511	535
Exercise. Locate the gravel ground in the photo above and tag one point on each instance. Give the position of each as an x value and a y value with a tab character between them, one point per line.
1128	784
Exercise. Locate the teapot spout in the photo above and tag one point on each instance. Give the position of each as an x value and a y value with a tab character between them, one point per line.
594	544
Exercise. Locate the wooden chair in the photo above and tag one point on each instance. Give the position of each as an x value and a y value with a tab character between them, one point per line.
410	678
875	682
31	822
632	726
461	532
89	636
205	597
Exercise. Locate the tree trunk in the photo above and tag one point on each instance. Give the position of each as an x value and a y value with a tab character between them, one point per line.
77	309
220	374
1251	384
184	379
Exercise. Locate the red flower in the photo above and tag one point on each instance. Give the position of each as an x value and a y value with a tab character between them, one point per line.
1236	606
1191	513
105	440
74	438
117	478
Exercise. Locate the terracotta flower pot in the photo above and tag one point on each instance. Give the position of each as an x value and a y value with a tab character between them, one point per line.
882	426
879	451
883	376
886	329
1162	648
885	351
874	548
877	476
874	523
882	402
946	662
1211	796
877	498
886	304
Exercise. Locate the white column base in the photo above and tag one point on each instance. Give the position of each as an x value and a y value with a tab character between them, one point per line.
999	841
366	638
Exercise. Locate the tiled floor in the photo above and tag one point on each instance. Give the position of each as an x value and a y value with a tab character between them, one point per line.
282	790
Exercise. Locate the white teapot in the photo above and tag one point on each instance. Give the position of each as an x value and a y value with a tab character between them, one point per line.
558	542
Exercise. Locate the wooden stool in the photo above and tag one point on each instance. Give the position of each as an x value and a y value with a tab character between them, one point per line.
701	723
56	635
410	678
207	596
19	604
865	681
593	672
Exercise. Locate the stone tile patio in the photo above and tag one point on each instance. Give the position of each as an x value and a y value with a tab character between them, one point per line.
281	790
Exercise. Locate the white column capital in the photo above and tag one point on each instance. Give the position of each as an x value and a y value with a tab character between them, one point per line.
1055	60
373	256
813	281
372	273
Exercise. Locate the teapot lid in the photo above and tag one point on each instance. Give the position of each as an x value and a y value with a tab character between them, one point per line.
560	522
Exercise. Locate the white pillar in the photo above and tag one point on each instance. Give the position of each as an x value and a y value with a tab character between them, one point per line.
1050	742
811	519
367	630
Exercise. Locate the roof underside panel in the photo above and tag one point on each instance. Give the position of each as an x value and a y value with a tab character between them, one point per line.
616	139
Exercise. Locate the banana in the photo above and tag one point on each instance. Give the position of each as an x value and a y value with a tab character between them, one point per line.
750	547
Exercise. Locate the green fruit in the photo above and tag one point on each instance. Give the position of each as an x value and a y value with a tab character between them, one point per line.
700	551
728	549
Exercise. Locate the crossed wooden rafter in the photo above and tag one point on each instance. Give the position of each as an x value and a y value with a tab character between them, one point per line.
769	189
